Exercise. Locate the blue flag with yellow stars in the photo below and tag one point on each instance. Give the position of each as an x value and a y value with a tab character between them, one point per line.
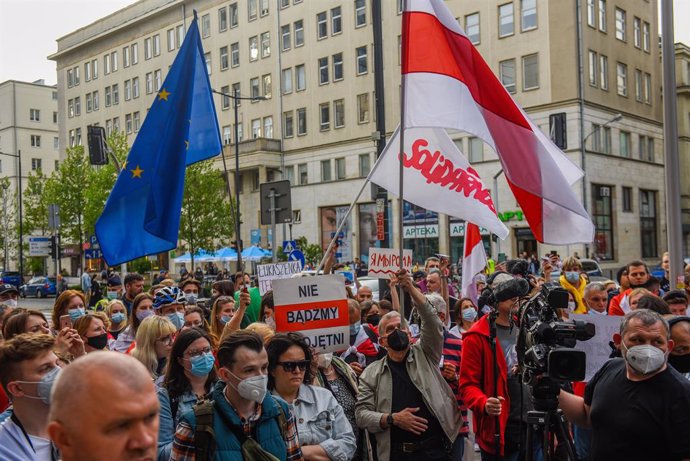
142	214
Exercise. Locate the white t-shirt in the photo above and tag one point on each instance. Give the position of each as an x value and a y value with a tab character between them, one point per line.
42	447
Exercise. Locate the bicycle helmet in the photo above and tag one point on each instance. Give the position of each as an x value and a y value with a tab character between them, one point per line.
168	295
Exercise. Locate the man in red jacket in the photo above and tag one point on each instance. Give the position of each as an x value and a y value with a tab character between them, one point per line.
487	395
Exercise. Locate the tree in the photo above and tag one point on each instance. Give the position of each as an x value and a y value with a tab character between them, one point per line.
35	216
9	235
312	251
206	219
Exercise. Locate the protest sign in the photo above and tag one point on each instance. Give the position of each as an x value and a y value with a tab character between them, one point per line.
349	276
597	348
316	307
383	262
267	273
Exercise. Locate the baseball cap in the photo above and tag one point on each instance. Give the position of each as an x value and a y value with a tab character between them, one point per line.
7	288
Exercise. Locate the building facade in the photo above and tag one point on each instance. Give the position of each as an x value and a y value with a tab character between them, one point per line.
683	100
587	72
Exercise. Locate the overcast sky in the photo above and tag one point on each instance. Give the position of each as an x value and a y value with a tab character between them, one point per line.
29	29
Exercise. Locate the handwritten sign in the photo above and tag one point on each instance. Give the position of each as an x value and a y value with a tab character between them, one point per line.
316	307
386	261
597	348
267	273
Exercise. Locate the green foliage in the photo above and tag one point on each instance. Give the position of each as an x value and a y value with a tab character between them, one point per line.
141	265
312	251
8	213
35	206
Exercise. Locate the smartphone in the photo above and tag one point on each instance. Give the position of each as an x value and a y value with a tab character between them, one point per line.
244	288
554	253
65	321
502	258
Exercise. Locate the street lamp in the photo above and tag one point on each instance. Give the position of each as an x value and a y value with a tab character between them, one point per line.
5	186
18	156
236	98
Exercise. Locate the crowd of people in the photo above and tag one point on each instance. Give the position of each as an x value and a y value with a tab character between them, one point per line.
427	374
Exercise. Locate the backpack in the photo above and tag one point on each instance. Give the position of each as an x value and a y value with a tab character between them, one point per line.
205	436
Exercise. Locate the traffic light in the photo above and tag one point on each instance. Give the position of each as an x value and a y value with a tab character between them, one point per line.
98	151
53	247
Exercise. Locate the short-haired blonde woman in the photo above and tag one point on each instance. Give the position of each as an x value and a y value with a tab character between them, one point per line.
117	315
93	332
573	279
142	307
154	342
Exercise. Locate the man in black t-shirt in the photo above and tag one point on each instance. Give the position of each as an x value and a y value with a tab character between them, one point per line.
637	406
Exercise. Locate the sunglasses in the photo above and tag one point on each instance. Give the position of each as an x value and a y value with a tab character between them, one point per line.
289	367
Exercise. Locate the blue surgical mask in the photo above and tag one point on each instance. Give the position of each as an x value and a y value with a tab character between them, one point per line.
141	315
572	276
469	314
117	318
224	319
74	314
177	318
45	385
202	364
191	298
354	329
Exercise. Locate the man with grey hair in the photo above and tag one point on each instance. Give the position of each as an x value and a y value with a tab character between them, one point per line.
104	407
640	387
596	298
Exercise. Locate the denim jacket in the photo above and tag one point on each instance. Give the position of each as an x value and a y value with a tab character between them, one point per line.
321	421
168	422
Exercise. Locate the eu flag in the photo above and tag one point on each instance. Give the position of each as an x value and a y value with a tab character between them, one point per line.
142	214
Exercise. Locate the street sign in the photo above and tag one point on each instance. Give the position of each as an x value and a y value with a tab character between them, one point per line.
39	246
282	201
93	254
289	246
296	255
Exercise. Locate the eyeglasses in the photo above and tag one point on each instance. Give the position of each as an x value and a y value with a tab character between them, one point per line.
198	352
290	367
167	340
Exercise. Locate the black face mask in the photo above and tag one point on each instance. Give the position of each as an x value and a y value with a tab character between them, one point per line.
680	362
98	342
374	319
398	340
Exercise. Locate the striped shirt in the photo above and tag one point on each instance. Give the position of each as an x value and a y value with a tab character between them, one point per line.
452	351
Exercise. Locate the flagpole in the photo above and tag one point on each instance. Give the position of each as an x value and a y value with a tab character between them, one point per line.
401	150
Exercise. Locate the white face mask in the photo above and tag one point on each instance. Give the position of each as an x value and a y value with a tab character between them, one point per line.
11	303
325	360
645	359
253	388
571	306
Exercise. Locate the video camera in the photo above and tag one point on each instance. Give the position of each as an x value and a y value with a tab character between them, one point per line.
545	344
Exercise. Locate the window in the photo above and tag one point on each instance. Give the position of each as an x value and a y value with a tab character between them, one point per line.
264	7
360	13
235	54
323	71
637	32
70	104
95	99
94	70
476	150
507	73
593	74
35	164
591	13
300	78
339	113
336	21
240	132
116	96
603	72
157	80
622	79
506	21
206	26
287	81
137	121
106	65
171	39
180	35
530	72
55	114
650	149
87	71
302	174
627	199
288	124
325	116
225	100
364	165
606	140
362	64
128	90
472	28
236	91
233	15
108	97
254	89
35	140
265	44
76	70
256	128
222	19
340	172
128	123
602	216
253	48
268	127
298	27
157	45
638	85
108	131
148	48
72	139
57	164
301	121
284	3
252	9
78	135
289	174
135	56
326	171
642	147
149	83
89	102
56	144
70	78
77	103
645	36
620	24
337	67
648	226
647	88
266	86
363	108
207	59
126	59
321	25
227	138
224	63
35	115
529	14
602	15
285	37
624	148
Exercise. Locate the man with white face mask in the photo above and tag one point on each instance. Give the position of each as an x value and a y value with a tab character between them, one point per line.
240	400
9	295
638	387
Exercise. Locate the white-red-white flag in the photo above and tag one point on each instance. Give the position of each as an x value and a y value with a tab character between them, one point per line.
473	261
437	177
448	84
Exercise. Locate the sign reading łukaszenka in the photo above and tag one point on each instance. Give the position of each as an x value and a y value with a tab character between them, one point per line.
267	273
316	307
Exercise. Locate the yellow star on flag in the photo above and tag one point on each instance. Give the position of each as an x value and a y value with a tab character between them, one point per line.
136	173
163	94
186	145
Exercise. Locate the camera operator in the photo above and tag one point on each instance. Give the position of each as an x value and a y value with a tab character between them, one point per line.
637	406
489	384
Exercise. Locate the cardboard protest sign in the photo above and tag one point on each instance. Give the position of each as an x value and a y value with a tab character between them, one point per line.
267	273
597	348
316	307
386	261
